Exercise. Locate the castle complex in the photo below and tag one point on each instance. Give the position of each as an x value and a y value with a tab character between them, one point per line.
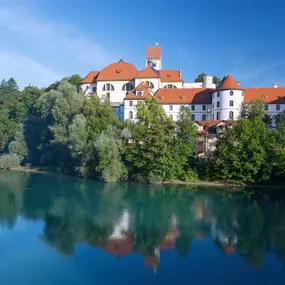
125	86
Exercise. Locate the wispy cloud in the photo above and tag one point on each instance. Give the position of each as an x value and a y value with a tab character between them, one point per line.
43	49
263	74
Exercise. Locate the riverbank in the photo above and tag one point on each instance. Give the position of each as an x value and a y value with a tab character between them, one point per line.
222	184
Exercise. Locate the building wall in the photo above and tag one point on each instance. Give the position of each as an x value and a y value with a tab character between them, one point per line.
224	98
155	81
272	110
116	96
128	109
177	84
173	110
88	88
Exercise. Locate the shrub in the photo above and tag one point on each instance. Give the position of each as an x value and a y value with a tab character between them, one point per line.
9	161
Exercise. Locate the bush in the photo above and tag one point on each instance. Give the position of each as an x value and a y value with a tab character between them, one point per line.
191	175
9	161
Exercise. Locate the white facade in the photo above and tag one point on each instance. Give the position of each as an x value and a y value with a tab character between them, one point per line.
113	90
225	103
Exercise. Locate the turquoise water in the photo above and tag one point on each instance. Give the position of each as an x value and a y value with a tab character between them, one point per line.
56	230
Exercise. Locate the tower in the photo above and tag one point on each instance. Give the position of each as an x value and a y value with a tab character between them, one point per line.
154	57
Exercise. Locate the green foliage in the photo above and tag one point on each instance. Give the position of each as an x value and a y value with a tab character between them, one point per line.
110	148
200	78
153	154
243	153
18	147
9	161
99	115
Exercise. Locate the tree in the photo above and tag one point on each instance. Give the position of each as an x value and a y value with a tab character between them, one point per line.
243	153
59	109
185	139
110	147
253	110
18	146
99	116
200	78
153	156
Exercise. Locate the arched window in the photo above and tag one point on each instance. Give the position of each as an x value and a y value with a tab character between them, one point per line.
150	84
128	86
170	86
218	115
131	115
108	87
231	115
193	117
204	117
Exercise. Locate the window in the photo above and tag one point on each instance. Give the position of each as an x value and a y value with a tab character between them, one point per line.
232	93
170	107
94	89
218	94
266	107
128	86
131	103
171	117
277	107
231	115
218	115
170	86
193	107
204	107
218	104
108	87
139	93
204	117
193	117
150	84
131	115
231	103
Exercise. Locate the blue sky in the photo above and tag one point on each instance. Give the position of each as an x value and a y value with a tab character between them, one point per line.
45	40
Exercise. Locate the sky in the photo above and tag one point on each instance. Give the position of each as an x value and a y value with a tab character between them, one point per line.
42	41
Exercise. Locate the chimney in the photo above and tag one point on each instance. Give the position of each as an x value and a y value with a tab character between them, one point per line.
275	85
180	73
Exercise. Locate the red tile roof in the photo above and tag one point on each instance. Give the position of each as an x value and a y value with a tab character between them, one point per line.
211	123
228	82
268	95
148	72
116	247
153	52
170	76
228	250
118	71
151	261
184	96
145	93
90	77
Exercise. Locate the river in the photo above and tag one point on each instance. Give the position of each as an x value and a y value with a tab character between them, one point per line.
58	230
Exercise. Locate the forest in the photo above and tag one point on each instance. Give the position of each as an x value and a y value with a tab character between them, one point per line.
59	129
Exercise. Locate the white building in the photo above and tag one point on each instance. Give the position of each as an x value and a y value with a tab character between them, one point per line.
125	86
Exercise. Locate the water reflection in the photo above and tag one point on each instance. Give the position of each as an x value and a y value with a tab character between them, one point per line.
132	218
